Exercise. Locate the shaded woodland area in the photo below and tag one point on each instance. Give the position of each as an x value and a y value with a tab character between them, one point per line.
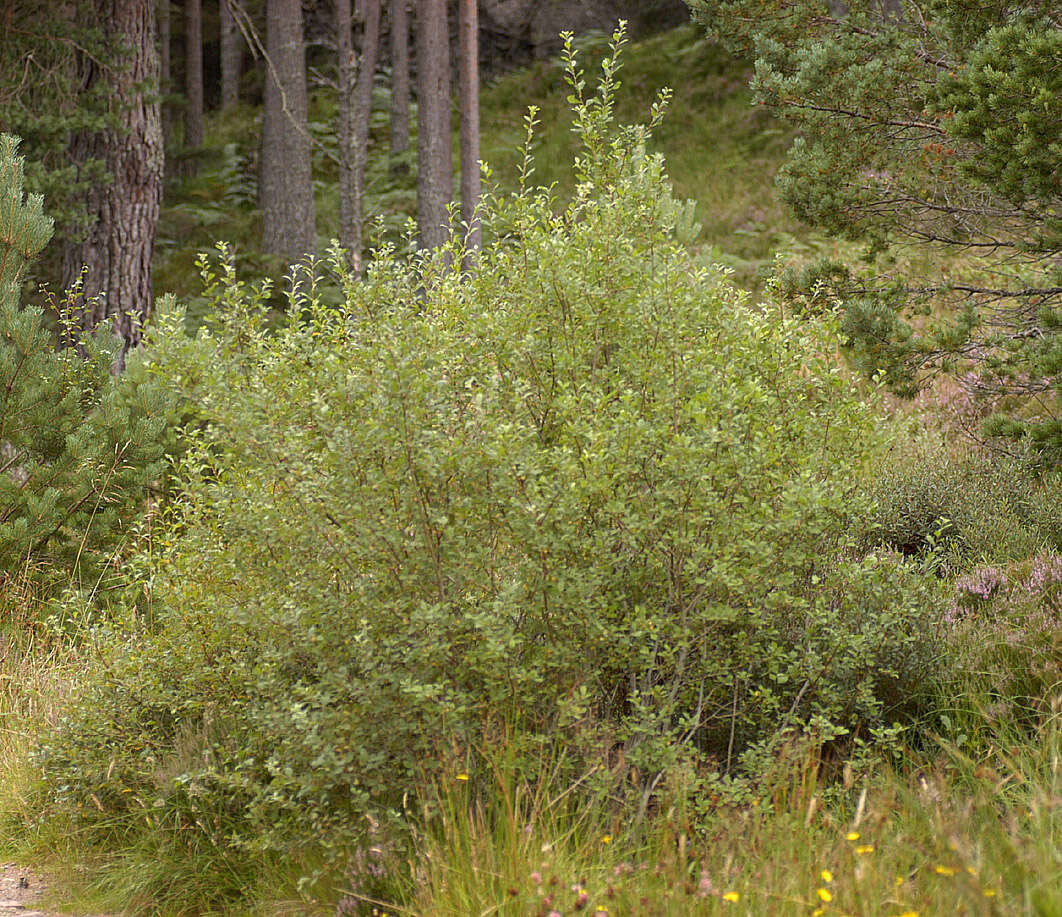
109	98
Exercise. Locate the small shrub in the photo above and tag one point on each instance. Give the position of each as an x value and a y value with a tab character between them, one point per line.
966	509
581	487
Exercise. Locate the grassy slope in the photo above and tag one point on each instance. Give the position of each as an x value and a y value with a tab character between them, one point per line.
958	838
720	149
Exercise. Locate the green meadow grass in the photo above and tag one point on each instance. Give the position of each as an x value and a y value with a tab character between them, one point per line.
721	150
936	835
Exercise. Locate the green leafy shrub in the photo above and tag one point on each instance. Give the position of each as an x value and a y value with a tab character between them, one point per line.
968	508
78	447
581	486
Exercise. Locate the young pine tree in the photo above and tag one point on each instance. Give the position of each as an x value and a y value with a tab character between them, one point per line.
78	446
938	126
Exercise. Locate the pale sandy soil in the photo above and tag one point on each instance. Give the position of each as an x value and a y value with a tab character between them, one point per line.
20	890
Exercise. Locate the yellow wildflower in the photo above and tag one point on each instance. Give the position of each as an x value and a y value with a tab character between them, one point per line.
462	777
852	836
827	876
824	895
864	849
732	897
945	870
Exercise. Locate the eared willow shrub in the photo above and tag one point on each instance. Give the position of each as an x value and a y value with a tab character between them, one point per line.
580	485
974	507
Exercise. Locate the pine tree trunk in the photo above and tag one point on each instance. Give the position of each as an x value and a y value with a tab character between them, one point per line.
165	84
286	187
362	111
117	251
231	56
468	91
193	81
434	152
345	117
355	107
399	77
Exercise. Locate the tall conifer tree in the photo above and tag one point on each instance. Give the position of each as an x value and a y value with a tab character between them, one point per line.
123	210
468	93
165	65
355	107
231	56
193	79
286	186
434	153
399	77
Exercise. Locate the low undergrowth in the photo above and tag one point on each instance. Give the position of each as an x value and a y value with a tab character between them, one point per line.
940	834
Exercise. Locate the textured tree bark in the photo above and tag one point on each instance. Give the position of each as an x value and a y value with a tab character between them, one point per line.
165	85
468	93
231	56
193	79
345	117
399	77
355	106
116	254
434	152
356	152
286	186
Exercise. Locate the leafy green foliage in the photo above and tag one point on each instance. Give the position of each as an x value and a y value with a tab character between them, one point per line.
720	150
581	487
959	510
79	447
935	124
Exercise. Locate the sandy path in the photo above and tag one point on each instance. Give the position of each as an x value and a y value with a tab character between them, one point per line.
20	890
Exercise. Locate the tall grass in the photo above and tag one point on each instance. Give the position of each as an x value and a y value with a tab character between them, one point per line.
940	834
39	670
